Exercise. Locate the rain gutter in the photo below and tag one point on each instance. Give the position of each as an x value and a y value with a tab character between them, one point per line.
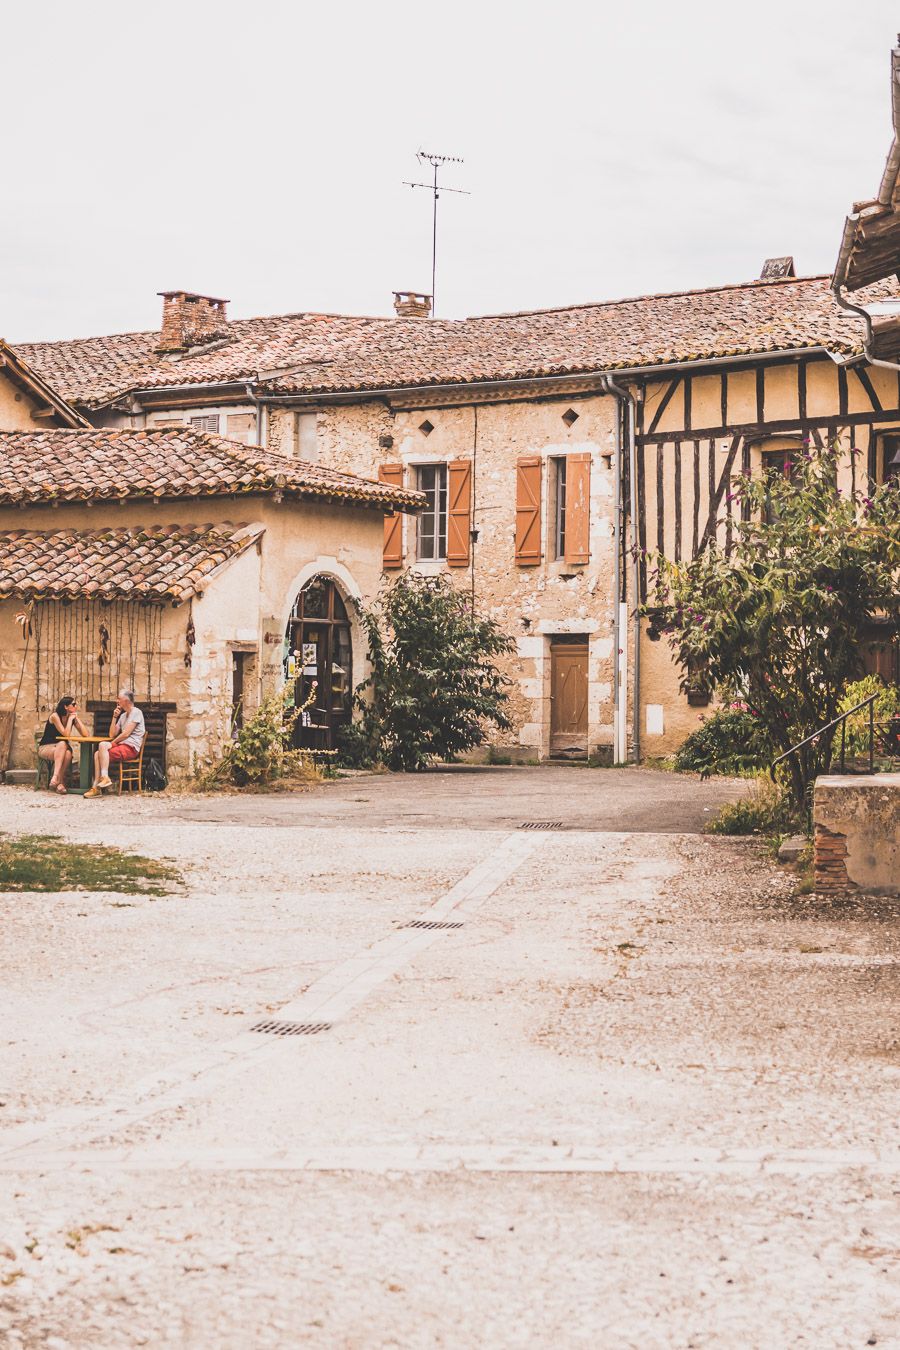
530	382
624	424
863	314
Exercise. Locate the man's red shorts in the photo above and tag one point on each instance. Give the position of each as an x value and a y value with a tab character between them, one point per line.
120	752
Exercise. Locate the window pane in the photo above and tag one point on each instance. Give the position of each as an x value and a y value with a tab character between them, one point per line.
560	507
890	447
431	535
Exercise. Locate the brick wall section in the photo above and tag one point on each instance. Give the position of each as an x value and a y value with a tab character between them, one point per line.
830	861
857	833
191	319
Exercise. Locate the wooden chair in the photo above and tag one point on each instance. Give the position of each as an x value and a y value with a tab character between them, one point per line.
131	771
42	764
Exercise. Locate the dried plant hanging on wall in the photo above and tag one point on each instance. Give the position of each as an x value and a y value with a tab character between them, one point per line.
91	649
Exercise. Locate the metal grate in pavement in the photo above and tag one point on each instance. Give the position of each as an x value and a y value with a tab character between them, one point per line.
541	825
427	923
291	1028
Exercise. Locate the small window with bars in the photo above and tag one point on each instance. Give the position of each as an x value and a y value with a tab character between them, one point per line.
431	535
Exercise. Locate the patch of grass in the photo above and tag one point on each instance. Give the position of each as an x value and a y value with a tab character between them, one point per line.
766	809
45	862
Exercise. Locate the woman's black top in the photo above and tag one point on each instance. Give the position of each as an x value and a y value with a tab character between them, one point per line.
50	734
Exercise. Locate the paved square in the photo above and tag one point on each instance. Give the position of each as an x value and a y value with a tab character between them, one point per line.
637	1092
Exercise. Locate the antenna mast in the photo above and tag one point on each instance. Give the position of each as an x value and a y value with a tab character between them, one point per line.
437	162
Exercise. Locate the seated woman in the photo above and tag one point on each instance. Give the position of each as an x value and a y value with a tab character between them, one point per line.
61	722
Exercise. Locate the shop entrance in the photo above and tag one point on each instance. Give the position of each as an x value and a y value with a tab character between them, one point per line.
318	649
569	698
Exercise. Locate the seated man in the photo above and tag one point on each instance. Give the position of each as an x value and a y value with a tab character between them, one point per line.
126	736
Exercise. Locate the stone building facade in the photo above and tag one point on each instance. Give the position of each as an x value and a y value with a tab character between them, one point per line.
648	409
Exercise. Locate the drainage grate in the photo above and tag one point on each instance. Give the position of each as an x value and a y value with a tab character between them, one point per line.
541	825
292	1028
427	923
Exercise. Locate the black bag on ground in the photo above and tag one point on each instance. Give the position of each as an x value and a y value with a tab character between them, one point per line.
154	776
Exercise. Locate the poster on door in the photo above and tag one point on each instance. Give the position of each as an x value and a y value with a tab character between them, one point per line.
310	658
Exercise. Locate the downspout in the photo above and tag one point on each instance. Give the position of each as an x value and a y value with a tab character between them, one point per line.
636	583
867	320
255	399
624	421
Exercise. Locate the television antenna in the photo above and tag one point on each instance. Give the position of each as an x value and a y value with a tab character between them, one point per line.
437	162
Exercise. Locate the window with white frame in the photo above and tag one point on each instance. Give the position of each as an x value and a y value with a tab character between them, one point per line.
431	532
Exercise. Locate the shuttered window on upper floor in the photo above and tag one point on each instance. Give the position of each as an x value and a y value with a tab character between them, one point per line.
459	512
577	544
392	549
529	471
206	422
431	529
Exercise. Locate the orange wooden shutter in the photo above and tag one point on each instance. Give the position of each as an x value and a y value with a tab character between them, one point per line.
459	512
528	510
392	551
578	508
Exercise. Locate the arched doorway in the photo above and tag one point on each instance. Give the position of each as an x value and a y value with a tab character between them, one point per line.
318	648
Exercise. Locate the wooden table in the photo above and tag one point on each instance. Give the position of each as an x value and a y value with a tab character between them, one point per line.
86	760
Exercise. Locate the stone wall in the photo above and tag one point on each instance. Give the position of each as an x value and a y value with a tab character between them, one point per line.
244	606
857	833
529	603
31	686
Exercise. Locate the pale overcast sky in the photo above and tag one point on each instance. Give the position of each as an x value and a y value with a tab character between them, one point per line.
257	152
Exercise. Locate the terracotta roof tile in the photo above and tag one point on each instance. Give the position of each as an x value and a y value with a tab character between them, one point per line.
325	353
163	564
100	465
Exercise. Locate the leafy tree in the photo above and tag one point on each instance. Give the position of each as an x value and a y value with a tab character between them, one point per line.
779	620
434	683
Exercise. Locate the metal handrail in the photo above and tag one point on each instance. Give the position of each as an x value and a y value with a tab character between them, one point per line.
842	720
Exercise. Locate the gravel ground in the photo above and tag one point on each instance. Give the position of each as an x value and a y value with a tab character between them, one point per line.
643	1095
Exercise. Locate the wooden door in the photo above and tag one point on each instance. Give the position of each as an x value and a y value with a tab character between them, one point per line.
569	700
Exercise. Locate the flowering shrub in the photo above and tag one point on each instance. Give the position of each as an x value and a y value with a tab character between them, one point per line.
730	741
261	751
782	615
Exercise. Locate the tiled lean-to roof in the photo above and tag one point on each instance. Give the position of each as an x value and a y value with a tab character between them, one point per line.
327	353
135	564
101	465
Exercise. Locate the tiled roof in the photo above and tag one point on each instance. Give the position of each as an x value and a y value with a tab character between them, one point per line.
323	353
137	564
100	465
871	238
16	369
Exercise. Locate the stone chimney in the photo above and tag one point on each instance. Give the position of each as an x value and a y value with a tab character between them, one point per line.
190	319
412	305
775	269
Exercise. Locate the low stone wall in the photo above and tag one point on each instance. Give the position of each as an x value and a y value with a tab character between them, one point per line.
857	834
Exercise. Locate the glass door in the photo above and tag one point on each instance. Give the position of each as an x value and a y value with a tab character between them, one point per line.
319	653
